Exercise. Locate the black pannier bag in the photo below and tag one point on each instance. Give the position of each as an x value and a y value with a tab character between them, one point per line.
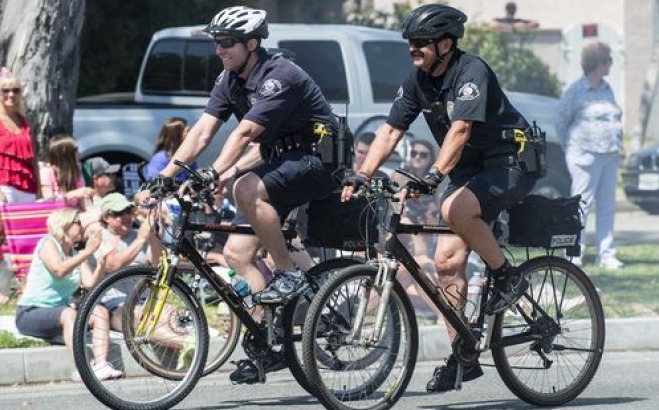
341	225
550	223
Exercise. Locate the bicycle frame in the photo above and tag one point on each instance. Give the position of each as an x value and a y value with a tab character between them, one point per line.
395	251
183	246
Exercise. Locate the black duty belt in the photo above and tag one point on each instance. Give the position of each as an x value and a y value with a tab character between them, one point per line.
286	144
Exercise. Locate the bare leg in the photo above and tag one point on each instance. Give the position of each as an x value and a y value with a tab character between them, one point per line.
451	262
463	213
252	200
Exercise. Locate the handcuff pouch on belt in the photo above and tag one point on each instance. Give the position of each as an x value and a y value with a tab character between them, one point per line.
530	145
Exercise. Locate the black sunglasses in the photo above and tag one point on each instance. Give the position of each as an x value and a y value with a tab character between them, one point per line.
116	214
420	42
15	90
422	155
226	42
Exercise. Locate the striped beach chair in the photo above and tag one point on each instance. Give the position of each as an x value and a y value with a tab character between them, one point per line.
25	224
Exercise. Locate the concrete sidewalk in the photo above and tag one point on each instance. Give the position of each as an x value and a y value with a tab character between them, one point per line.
54	363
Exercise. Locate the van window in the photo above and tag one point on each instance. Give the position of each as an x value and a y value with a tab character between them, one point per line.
389	62
323	61
178	66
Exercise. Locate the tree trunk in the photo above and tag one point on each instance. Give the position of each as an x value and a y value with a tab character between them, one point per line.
39	44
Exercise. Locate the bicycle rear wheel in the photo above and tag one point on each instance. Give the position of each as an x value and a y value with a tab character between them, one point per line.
359	373
548	360
223	324
160	369
296	311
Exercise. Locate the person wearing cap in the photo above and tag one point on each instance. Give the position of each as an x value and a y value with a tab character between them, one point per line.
103	175
103	178
130	246
466	111
121	246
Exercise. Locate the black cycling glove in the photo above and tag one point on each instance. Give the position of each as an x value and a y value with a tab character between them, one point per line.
208	175
356	180
429	183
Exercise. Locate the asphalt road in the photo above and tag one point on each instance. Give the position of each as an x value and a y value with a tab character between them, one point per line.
625	380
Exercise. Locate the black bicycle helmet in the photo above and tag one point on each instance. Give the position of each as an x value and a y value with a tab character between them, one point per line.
240	22
434	21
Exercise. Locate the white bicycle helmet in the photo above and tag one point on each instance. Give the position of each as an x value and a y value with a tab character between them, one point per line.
239	21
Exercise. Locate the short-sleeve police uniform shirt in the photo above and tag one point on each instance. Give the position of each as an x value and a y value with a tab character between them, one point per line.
469	91
277	95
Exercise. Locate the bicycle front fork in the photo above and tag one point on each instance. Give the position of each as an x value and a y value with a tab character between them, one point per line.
384	281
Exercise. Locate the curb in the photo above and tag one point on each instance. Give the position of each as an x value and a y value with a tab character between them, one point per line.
54	363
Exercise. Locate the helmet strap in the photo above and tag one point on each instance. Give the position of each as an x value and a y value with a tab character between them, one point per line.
240	69
438	58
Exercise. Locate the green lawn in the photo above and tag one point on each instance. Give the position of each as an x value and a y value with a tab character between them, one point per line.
632	290
627	292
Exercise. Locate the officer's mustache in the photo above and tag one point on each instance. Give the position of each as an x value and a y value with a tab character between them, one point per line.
417	53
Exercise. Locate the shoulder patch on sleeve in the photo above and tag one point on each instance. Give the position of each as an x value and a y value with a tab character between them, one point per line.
270	87
468	92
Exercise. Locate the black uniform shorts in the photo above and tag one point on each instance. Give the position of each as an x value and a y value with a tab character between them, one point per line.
293	179
496	188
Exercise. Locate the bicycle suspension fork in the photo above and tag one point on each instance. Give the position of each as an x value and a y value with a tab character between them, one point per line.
384	280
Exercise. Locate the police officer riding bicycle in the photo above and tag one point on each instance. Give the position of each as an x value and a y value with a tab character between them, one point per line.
470	118
283	110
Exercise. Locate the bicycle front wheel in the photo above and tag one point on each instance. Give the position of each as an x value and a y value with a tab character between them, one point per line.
549	350
351	368
161	362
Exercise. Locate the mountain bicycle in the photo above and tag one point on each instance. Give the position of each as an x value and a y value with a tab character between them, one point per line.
546	348
162	372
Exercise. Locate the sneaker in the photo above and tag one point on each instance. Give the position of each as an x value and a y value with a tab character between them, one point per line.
444	377
577	260
284	287
610	262
102	370
247	372
507	291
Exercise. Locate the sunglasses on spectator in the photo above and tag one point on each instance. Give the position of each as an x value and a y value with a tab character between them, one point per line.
420	154
117	214
226	42
420	42
76	222
15	90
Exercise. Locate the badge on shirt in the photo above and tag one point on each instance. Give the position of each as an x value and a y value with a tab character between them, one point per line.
270	87
468	92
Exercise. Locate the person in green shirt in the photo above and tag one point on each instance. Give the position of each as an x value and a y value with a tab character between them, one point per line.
57	270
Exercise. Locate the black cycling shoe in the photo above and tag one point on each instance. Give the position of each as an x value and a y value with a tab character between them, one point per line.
247	371
508	289
444	377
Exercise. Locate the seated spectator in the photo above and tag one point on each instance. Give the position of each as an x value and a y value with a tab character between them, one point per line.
61	176
362	145
103	183
56	272
129	246
512	23
171	136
